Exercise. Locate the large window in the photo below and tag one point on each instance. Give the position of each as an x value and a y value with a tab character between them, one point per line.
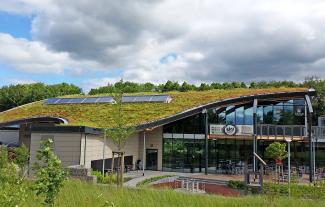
290	112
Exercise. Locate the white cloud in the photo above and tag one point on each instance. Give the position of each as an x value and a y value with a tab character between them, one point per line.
212	40
35	57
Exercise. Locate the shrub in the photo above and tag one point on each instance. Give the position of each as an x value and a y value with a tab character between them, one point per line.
236	184
13	190
105	179
49	173
21	158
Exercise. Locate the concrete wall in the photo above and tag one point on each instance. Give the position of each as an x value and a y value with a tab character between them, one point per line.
94	148
81	149
66	146
9	136
153	141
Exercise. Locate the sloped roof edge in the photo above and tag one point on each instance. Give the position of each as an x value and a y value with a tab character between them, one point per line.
57	120
199	109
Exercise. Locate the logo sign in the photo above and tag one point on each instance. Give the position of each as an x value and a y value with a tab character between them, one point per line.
230	129
299	111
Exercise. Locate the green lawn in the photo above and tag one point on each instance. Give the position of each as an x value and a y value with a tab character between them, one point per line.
80	194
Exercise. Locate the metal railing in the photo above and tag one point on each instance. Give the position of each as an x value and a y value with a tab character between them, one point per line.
270	131
318	131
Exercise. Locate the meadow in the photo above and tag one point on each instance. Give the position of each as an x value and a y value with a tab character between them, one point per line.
81	194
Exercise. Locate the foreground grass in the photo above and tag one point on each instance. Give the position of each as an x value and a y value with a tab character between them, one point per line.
77	193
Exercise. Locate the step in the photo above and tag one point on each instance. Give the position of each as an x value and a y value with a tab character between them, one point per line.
204	180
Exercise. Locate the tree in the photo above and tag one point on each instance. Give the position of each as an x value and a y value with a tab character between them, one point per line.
277	151
50	175
16	95
120	132
21	159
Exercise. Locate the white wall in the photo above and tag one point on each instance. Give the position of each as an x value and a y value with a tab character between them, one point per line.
9	136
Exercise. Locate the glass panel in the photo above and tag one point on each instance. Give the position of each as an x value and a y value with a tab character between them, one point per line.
277	114
230	115
268	114
288	115
260	115
248	116
240	116
221	117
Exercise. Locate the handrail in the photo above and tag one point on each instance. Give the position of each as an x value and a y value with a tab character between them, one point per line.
280	131
259	158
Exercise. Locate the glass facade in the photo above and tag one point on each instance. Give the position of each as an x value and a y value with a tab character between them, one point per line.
184	154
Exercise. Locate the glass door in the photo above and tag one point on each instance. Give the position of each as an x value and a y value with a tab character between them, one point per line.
151	159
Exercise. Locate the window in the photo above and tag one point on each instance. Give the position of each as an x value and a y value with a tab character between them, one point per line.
240	116
248	116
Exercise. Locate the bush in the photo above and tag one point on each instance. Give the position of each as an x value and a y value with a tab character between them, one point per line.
13	190
105	179
236	184
50	174
21	158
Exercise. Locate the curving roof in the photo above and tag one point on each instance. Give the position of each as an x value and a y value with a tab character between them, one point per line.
145	115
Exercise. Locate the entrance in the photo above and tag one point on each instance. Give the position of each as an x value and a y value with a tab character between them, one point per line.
151	159
193	158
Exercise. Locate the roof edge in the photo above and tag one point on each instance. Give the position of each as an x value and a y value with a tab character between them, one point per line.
54	119
197	110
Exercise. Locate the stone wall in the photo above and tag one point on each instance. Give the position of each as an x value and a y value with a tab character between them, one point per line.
81	173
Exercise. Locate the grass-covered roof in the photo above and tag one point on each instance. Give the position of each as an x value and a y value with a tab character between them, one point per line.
98	115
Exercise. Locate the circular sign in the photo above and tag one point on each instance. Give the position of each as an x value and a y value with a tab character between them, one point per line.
230	129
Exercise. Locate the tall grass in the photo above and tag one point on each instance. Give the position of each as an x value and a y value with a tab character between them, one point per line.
80	194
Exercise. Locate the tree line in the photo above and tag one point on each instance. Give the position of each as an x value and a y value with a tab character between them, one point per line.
16	95
132	87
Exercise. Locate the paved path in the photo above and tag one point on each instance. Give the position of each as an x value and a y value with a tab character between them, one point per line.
138	176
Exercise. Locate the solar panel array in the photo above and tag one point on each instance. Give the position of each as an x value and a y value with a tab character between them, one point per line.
109	99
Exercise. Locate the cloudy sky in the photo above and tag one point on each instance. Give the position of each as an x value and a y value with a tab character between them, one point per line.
93	42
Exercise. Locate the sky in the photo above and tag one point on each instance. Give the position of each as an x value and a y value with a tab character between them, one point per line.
93	43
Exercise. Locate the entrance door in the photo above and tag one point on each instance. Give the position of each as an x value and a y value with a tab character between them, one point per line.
194	157
152	159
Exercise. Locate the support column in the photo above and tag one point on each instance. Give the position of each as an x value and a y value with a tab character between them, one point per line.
309	116
104	146
144	152
254	133
206	123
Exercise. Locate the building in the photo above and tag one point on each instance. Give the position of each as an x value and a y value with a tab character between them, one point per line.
178	131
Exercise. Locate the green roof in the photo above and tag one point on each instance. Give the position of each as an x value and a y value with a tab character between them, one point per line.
98	115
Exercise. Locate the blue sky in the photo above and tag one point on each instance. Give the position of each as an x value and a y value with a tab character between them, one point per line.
91	45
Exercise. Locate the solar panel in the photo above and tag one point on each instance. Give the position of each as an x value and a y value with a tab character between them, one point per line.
64	101
128	99
50	101
105	100
109	99
91	100
77	100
